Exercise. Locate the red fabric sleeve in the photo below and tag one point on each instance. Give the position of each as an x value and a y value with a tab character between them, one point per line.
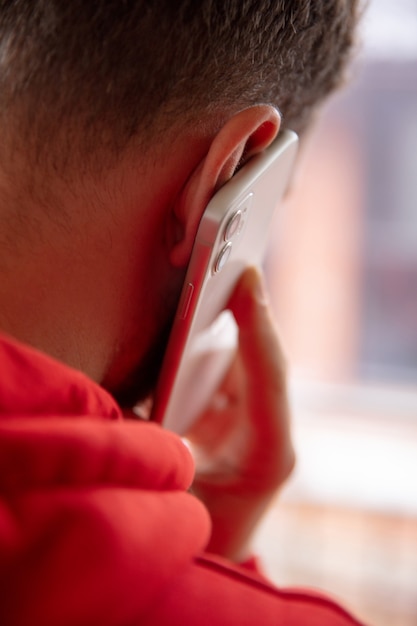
213	592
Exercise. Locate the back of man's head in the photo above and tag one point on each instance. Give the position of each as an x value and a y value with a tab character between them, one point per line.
78	78
119	119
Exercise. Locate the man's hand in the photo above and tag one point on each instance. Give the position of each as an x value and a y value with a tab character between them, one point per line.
242	442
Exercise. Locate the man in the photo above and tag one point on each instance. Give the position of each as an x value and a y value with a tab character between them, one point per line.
119	120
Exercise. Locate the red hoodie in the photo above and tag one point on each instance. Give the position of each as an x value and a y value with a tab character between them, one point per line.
96	525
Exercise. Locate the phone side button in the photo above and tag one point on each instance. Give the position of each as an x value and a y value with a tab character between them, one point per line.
185	301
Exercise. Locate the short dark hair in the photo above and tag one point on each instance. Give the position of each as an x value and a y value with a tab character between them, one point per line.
98	73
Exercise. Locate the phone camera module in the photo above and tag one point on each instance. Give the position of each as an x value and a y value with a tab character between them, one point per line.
222	257
238	219
233	225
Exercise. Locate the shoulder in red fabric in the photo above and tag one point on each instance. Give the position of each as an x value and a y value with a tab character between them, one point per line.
96	525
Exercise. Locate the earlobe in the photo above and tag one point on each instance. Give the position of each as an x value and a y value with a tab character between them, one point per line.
242	136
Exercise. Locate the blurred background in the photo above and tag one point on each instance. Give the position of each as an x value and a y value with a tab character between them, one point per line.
342	270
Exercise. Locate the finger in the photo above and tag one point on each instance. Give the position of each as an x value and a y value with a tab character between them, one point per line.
259	345
265	369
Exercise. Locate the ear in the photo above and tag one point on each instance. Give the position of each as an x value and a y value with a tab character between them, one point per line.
245	134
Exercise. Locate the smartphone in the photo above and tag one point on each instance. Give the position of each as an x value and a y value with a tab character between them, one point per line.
232	235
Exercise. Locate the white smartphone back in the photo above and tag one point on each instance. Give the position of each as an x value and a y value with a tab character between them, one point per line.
232	235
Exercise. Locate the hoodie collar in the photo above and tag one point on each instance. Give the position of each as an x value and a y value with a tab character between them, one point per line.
33	383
